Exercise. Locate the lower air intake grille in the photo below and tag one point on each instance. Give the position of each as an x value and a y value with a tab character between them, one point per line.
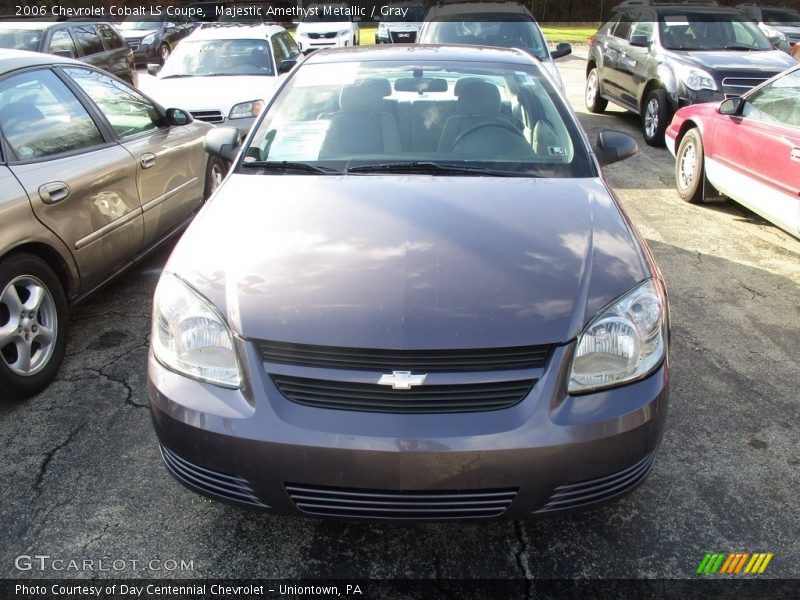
593	491
413	505
367	397
209	116
427	361
211	483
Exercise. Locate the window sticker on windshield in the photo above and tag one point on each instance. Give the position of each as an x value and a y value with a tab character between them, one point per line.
328	74
557	151
299	140
524	78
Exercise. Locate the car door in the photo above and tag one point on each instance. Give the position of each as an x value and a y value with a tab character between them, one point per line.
90	46
171	171
761	151
633	60
116	52
80	183
613	47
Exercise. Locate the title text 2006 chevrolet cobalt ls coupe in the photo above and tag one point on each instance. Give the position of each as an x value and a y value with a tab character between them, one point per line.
415	297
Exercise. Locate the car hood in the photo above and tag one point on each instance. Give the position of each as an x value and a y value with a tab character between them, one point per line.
403	25
209	93
323	27
770	61
135	34
410	261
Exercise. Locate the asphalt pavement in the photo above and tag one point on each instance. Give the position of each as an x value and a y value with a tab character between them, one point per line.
83	478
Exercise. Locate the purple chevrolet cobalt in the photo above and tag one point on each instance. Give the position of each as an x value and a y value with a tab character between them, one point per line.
414	297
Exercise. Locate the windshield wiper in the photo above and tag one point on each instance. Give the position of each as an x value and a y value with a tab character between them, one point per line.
427	167
285	165
740	47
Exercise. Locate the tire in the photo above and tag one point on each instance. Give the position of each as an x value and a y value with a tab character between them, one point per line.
690	172
24	277
594	101
163	53
655	117
216	169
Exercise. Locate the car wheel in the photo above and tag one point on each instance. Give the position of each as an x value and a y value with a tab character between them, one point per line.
164	53
215	173
655	117
690	167
594	101
33	325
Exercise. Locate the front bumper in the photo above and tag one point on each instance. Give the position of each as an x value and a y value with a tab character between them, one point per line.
687	97
257	448
308	44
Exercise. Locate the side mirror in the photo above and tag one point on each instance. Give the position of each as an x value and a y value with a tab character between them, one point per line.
178	117
153	69
563	49
731	106
287	65
169	26
640	41
223	142
64	53
614	146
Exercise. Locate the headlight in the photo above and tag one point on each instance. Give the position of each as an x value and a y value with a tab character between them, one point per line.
190	336
623	342
149	39
697	79
252	108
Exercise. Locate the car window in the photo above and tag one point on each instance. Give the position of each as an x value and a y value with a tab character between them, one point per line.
88	40
777	102
623	27
698	31
497	116
62	42
487	29
111	38
279	50
209	58
40	116
21	39
644	28
291	46
128	112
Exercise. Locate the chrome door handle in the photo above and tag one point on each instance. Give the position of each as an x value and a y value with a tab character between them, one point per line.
50	193
148	160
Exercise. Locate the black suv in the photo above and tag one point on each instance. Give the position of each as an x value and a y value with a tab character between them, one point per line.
154	39
98	44
654	59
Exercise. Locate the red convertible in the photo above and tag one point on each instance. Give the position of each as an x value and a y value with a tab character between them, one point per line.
747	148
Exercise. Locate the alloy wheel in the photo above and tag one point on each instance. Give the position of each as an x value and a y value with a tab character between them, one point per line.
28	325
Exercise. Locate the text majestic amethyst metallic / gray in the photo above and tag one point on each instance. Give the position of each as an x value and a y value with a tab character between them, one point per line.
415	297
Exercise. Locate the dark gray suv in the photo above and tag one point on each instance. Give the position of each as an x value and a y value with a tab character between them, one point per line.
653	60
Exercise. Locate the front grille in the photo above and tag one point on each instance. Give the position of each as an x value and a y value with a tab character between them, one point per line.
322	36
594	491
427	361
209	116
736	86
367	397
437	505
209	482
403	37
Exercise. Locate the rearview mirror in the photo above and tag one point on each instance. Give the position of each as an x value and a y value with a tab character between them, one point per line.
223	142
640	41
153	69
178	117
731	106
614	146
420	84
563	49
287	65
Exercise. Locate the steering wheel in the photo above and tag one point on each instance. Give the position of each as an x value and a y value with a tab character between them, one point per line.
479	126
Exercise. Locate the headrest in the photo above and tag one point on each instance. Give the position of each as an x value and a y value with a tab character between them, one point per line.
478	97
364	96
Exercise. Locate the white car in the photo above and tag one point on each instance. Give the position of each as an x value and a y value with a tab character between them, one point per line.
501	24
224	74
327	26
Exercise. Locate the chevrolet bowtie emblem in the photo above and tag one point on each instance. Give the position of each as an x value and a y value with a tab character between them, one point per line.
402	380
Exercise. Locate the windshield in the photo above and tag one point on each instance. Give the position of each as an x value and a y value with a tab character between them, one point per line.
422	117
787	18
20	39
209	58
407	14
326	14
703	32
140	25
486	29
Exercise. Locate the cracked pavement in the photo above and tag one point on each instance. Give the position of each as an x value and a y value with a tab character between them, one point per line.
83	478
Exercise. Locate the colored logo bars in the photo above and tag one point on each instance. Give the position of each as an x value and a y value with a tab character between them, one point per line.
734	563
